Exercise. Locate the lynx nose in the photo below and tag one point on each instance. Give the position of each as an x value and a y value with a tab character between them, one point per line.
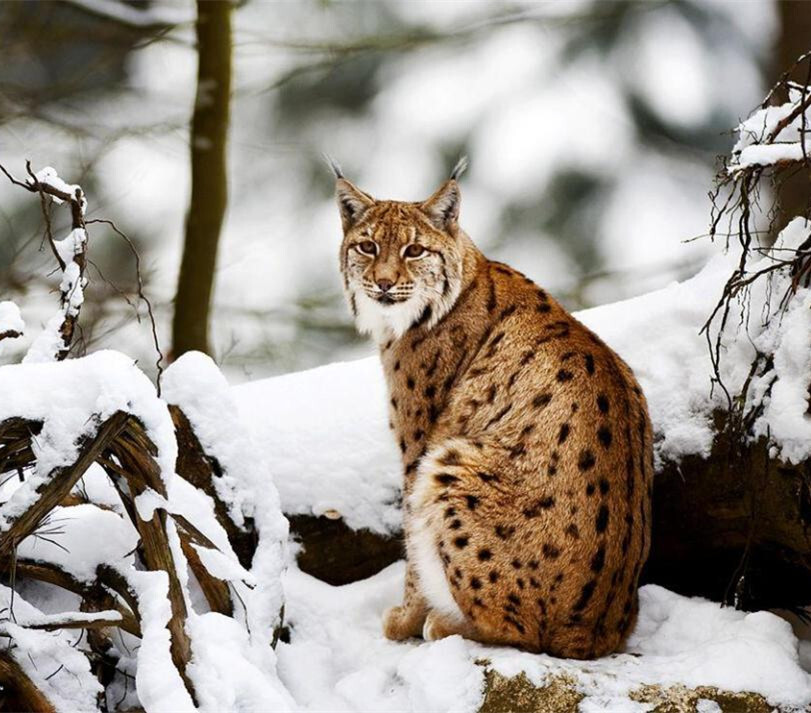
385	285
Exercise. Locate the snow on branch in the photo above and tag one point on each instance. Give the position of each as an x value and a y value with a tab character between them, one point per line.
770	282
776	135
71	255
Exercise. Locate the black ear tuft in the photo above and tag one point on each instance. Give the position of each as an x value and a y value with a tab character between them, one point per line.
459	168
334	165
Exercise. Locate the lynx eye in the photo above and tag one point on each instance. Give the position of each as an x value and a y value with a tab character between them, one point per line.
367	247
414	250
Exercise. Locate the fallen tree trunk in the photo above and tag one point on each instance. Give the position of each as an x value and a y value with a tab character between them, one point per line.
734	527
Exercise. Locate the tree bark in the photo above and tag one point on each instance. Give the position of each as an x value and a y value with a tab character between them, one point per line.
209	189
793	188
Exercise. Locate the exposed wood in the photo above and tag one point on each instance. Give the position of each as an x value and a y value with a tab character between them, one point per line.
95	595
198	468
735	527
68	621
15	443
60	482
19	693
216	592
136	453
336	554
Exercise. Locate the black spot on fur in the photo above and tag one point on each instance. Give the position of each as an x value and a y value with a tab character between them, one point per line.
564	433
598	561
484	555
516	563
520	583
402	446
585	595
430	391
514	598
589	364
446	478
487	477
418	434
410	383
507	311
601	522
564	375
543	307
590	489
586	460
472	501
450	512
535	509
450	457
493	576
604	436
433	413
461	541
604	486
475	583
397	365
504	532
541	400
393	403
602	403
491	393
572	531
550	551
501	414
456	524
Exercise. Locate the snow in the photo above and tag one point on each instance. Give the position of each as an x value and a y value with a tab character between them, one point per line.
65	397
69	539
11	323
10	318
757	146
327	429
195	384
337	658
50	659
50	176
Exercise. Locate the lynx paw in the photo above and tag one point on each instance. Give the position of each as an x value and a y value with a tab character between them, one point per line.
400	623
437	626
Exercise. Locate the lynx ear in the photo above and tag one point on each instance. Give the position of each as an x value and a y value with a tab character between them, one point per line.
442	208
352	202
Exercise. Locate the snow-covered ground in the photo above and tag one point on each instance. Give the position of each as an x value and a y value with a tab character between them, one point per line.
338	660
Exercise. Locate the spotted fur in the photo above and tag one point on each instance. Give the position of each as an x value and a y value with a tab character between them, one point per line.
526	441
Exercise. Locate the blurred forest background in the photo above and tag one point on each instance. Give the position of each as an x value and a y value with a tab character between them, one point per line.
592	129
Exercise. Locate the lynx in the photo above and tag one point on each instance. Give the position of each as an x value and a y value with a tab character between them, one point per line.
525	440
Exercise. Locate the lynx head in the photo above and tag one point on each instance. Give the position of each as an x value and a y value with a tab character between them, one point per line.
401	262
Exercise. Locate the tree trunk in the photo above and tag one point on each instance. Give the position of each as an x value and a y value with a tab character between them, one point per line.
209	189
794	39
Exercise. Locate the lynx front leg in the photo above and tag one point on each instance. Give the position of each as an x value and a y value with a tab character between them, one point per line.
406	621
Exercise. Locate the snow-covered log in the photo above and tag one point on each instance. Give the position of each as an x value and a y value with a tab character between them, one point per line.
95	507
